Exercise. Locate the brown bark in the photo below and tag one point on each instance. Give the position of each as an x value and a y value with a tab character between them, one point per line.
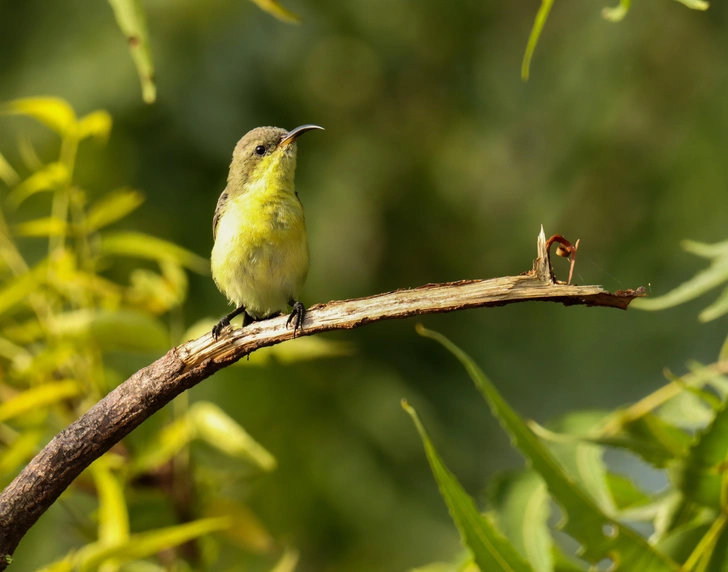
37	487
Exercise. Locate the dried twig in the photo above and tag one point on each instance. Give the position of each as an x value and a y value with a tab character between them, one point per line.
36	488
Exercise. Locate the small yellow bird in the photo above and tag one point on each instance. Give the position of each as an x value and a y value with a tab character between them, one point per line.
260	255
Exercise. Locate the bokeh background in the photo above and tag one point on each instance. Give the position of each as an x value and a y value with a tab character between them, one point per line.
438	163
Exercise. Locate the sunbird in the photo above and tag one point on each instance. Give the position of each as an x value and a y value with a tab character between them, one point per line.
260	254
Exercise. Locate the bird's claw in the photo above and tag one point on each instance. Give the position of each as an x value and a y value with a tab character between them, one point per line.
297	314
219	327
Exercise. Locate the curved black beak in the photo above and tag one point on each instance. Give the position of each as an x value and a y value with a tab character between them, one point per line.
294	134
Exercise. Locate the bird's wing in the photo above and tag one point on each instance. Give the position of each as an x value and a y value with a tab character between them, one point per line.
218	212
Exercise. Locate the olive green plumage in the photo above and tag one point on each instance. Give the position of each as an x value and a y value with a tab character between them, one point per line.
260	256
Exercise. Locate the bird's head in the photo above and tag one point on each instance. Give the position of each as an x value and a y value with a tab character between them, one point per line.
265	155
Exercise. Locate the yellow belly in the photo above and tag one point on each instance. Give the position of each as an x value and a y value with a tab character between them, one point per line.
260	256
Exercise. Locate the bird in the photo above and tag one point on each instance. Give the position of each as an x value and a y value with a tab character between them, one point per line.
260	255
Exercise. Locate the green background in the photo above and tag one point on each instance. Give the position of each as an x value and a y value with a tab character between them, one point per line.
438	163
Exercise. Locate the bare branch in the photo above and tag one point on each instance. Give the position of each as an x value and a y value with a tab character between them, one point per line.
37	487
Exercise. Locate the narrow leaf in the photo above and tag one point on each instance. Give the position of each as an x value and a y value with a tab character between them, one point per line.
53	112
288	561
521	503
96	124
491	551
716	310
716	250
7	173
132	21
695	4
47	226
140	245
598	534
701	473
112	207
38	398
16	290
702	282
274	8
541	17
49	178
113	515
617	13
146	544
222	432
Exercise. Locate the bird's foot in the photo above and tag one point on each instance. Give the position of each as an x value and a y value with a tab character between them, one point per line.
297	314
220	326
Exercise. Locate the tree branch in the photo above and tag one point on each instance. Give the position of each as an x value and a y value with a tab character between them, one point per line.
37	487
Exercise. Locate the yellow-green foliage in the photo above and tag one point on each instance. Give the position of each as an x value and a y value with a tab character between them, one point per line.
61	315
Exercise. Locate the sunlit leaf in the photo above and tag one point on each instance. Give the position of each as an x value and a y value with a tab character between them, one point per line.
625	493
157	294
16	290
702	282
146	544
701	473
716	250
681	542
521	503
695	4
490	549
112	207
7	173
117	330
96	124
717	309
541	17
47	226
597	533
38	398
163	446
221	431
49	178
140	245
247	531
132	21
53	112
20	451
274	8
288	561
617	13
113	515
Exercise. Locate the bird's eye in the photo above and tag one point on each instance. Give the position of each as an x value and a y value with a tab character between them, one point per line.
260	150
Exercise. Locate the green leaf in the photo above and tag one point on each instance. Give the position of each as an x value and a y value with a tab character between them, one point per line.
213	425
625	493
274	8
702	282
96	124
679	543
49	178
146	544
246	531
695	4
288	561
16	290
163	446
716	310
113	515
20	451
599	535
113	330
7	173
140	245
53	112
617	13
47	226
717	250
491	551
701	474
112	207
38	398
541	17
132	21
521	503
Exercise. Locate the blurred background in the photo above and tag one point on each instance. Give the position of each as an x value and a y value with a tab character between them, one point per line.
438	163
